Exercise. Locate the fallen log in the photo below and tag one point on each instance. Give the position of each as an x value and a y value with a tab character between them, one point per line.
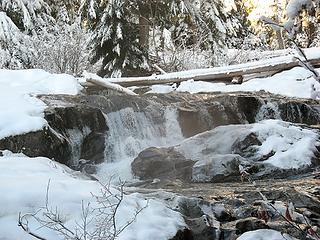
93	79
223	74
111	86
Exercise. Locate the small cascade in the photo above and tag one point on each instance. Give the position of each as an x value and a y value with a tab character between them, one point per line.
76	137
268	110
131	132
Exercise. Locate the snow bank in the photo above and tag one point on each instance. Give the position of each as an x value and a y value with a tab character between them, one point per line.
265	234
293	146
20	111
23	189
296	82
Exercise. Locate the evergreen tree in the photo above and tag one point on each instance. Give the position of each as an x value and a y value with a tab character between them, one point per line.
114	39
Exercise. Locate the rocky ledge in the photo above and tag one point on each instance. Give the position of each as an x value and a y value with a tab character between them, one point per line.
271	148
227	210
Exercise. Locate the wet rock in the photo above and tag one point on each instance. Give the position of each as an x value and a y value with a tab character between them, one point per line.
217	168
44	143
299	112
184	234
71	134
161	163
249	224
247	147
93	147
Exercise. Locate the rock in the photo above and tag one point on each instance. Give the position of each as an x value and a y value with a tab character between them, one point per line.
201	229
258	150
162	163
247	147
249	224
200	218
45	143
218	168
93	147
184	234
71	134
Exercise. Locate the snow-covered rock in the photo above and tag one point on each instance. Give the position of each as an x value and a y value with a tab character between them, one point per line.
20	110
226	152
265	234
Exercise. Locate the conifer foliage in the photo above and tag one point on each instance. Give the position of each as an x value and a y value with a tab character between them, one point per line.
115	39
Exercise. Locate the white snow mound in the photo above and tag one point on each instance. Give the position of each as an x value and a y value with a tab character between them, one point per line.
265	234
20	110
23	187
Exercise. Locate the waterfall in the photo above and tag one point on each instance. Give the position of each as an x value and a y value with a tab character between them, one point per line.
76	137
268	110
130	132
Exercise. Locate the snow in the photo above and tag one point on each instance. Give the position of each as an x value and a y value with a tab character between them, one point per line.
293	9
24	183
265	234
94	78
296	82
18	90
293	146
8	31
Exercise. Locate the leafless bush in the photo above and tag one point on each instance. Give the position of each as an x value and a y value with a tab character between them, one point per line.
63	52
97	223
185	56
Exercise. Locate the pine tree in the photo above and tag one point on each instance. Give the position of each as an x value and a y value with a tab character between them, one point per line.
114	39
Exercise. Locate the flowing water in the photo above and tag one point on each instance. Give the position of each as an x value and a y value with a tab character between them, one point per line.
268	110
130	133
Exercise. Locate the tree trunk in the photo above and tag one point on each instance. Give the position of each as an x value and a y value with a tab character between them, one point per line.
280	39
144	27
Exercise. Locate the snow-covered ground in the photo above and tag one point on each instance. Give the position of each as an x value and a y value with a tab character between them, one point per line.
265	234
20	111
23	184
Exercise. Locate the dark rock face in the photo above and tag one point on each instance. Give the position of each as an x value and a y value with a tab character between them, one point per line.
205	112
73	131
299	112
77	125
41	143
185	234
162	163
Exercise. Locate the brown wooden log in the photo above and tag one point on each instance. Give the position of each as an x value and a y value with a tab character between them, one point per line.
111	86
214	74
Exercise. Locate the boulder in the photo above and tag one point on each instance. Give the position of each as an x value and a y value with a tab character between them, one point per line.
218	168
162	163
45	143
74	131
269	148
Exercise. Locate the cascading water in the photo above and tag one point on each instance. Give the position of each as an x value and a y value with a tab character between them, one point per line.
76	137
268	110
133	131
